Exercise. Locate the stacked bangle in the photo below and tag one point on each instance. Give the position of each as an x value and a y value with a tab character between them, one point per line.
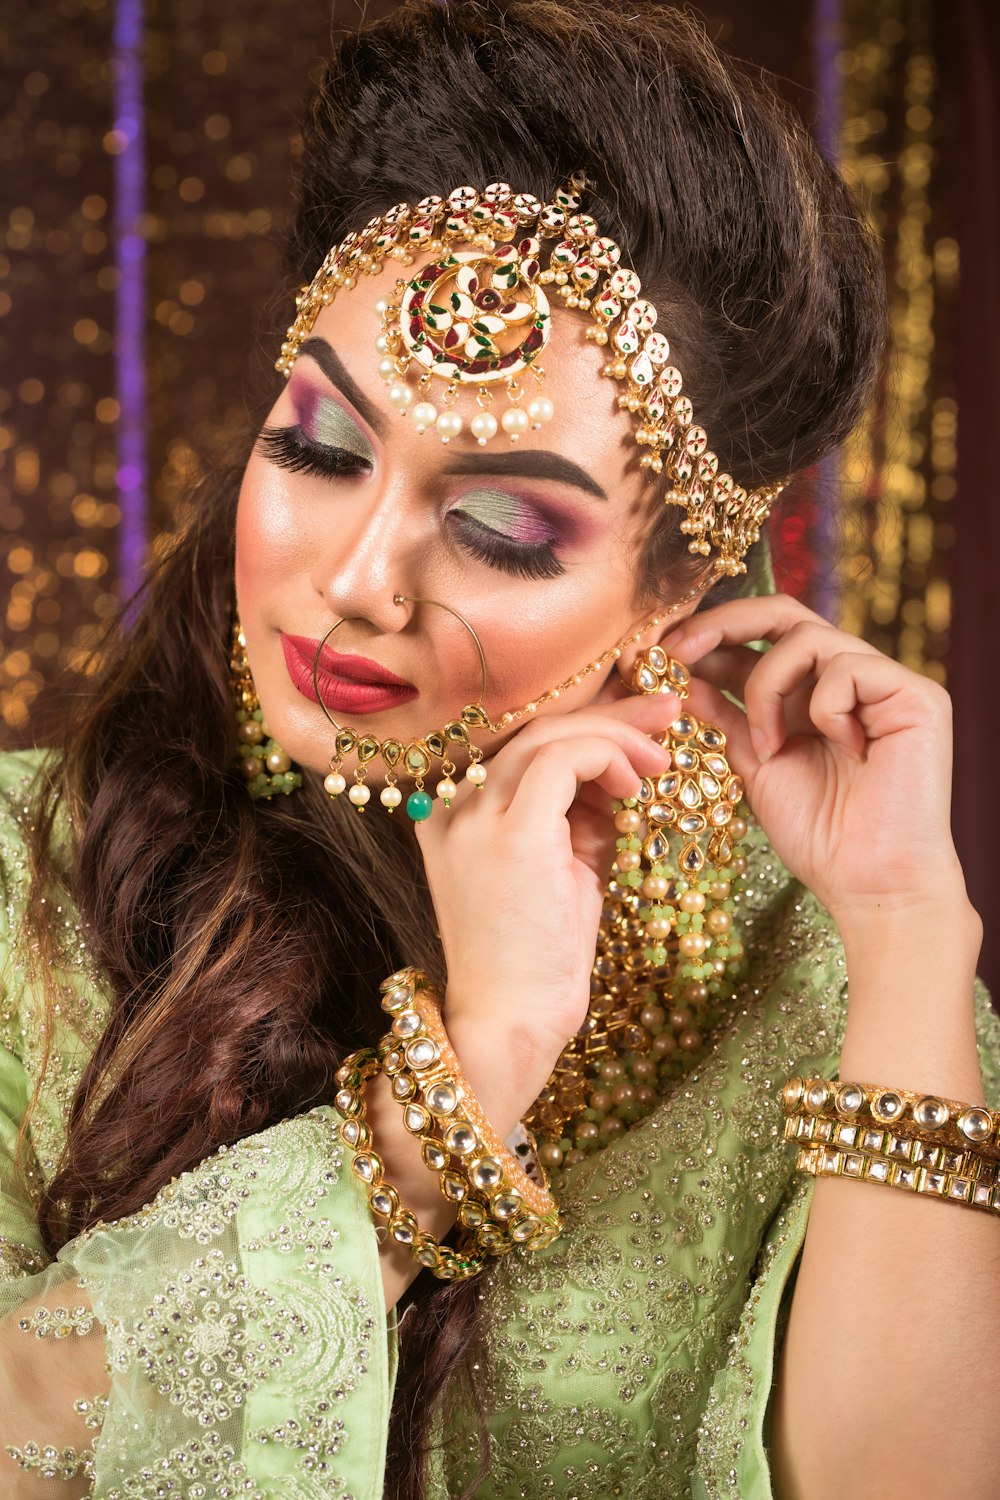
383	1199
916	1142
925	1117
499	1206
497	1202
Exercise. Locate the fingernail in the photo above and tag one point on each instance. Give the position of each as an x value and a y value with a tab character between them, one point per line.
759	743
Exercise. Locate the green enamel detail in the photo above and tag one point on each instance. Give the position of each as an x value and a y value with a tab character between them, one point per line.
419	806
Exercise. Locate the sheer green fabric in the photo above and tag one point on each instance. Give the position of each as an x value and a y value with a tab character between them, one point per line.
241	1311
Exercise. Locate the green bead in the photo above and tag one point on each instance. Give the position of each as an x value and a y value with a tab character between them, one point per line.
419	806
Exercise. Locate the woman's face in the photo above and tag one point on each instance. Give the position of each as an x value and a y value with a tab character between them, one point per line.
533	542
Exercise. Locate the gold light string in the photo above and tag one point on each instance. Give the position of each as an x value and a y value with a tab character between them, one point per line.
899	465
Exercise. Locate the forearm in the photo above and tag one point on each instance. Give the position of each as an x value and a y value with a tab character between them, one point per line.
40	1379
895	1322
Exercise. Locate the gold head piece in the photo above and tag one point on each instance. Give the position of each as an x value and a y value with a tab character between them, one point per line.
480	317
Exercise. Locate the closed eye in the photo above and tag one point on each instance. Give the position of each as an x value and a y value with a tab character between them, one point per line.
291	449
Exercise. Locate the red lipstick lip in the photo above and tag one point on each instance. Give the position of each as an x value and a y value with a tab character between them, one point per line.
347	684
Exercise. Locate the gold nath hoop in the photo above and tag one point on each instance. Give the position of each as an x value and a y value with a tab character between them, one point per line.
415	757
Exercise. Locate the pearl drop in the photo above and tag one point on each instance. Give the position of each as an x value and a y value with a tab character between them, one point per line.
737	827
400	395
718	921
382	344
515	422
628	820
387	368
629	859
424	415
655	887
446	789
277	762
540	409
250	732
692	901
483	426
476	774
449	424
657	928
334	783
359	794
692	944
390	797
381	306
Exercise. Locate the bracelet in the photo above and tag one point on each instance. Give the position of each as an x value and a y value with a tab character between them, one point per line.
821	1130
826	1161
918	1116
383	1199
497	1200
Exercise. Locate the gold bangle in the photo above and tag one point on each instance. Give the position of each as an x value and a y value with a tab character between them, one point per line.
383	1199
496	1199
820	1130
829	1161
925	1117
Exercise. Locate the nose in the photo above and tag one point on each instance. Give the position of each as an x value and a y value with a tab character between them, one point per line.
375	553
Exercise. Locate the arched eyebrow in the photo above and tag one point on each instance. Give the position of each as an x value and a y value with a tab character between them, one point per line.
526	463
523	463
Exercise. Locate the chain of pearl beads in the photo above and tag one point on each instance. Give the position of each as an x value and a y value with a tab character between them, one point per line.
448	424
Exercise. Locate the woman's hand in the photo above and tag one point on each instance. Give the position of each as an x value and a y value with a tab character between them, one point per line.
517	872
846	755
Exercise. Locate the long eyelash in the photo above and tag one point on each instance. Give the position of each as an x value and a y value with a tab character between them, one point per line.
291	449
538	561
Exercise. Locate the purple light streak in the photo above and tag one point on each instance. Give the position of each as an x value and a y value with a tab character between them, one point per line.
827	42
130	295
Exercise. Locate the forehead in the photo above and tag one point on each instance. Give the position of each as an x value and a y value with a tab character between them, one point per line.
587	425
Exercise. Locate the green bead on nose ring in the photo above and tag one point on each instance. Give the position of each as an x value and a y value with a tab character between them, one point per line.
415	757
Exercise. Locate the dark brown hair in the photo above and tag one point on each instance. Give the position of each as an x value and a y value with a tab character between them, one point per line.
243	942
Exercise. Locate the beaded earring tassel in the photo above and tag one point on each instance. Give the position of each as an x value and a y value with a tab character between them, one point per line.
259	758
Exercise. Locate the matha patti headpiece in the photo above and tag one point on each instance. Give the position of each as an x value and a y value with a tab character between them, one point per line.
480	317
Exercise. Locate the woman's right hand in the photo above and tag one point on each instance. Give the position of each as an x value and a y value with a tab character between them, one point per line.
517	874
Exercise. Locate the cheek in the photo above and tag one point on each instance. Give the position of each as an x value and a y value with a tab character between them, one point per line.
268	537
537	637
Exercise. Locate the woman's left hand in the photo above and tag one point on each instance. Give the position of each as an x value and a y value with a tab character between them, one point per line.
846	755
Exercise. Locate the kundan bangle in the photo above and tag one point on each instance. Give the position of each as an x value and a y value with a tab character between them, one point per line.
496	1199
817	1131
383	1199
828	1161
925	1117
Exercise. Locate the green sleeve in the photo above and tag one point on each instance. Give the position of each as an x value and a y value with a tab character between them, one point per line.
733	1447
241	1311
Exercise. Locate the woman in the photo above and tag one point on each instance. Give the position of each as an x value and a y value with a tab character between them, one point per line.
251	1250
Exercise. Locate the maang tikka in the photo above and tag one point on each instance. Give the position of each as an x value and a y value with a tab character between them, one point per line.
475	317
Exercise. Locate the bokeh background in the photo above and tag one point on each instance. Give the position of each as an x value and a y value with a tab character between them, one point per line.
147	149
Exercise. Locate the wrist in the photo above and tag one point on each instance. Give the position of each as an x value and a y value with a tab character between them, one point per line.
939	925
506	1066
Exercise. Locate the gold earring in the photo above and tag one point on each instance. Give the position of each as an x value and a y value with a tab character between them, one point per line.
415	757
684	828
259	758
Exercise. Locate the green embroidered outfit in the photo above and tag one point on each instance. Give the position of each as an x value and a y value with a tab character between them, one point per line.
242	1310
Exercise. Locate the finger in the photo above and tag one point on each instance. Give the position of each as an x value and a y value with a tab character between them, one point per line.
860	699
631	725
766	617
553	777
780	684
